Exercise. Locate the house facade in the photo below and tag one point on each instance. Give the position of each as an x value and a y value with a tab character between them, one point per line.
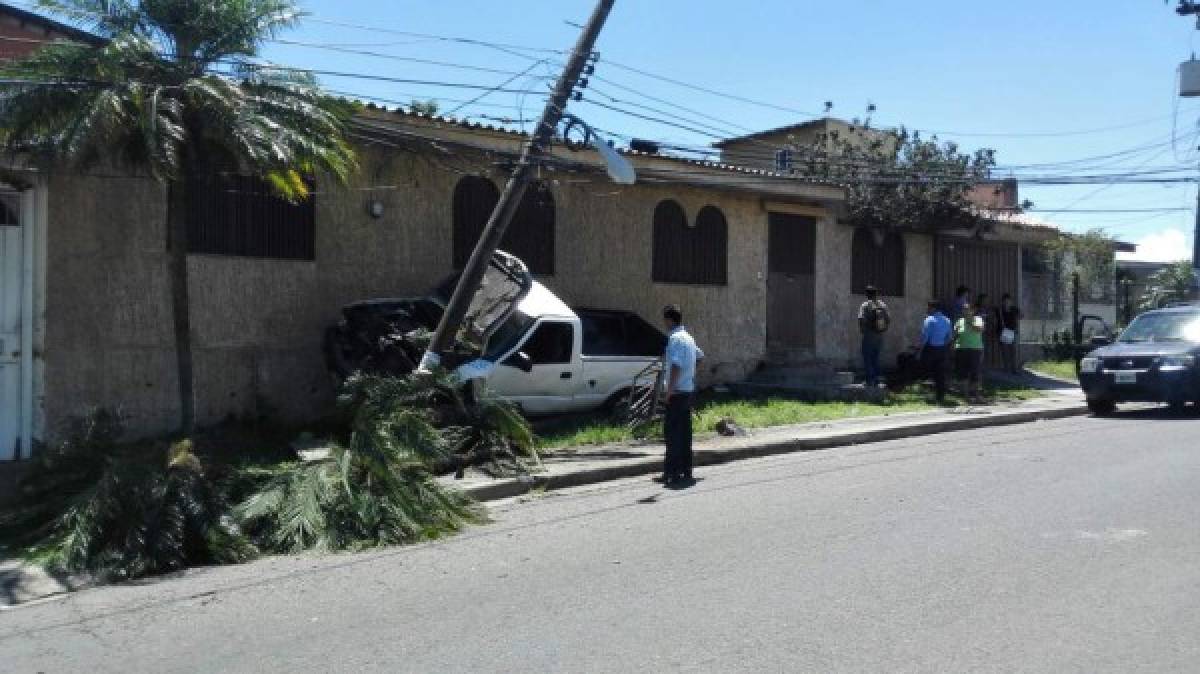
763	268
267	278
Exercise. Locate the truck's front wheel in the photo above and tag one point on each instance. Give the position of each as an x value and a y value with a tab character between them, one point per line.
1102	407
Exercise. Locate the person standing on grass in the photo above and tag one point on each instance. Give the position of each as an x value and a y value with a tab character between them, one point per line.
936	335
681	358
873	322
1008	324
968	352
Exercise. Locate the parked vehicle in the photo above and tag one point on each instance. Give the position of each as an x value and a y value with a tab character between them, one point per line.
532	349
1154	360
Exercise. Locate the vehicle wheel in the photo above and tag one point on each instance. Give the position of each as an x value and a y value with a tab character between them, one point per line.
1177	406
1102	407
617	405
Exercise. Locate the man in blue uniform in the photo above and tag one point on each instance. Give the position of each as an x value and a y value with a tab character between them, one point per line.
681	357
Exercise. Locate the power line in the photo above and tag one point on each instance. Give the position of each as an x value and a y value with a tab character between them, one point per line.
497	87
394	57
523	51
412	97
383	78
510	48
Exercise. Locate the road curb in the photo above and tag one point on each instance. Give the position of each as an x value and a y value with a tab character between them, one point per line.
619	469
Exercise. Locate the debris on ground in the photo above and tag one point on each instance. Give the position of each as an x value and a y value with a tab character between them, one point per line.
729	428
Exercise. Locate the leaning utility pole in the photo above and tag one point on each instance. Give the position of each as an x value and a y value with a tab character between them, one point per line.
447	330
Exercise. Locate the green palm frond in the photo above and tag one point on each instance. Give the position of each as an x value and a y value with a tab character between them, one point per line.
345	502
149	99
123	511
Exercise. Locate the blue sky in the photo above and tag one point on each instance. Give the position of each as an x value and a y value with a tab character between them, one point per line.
1030	68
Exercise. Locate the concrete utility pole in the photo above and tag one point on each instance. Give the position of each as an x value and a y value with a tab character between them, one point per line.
447	330
1190	8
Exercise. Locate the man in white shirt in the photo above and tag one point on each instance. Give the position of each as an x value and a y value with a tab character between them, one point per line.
681	357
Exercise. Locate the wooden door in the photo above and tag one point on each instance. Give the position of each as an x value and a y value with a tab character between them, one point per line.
791	282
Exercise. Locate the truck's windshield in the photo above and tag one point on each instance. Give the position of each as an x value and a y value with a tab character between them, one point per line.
507	335
1164	327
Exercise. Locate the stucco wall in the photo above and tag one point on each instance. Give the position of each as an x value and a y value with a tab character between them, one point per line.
108	318
258	323
604	260
838	338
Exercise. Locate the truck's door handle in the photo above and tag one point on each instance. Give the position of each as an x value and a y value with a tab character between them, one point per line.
565	375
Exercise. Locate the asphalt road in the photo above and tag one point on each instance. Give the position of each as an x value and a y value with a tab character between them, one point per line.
1065	546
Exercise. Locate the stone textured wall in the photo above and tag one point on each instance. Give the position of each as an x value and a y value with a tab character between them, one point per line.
604	260
838	335
108	320
259	322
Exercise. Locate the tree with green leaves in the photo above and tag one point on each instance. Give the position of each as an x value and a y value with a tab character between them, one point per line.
1089	254
1172	283
173	92
899	179
427	107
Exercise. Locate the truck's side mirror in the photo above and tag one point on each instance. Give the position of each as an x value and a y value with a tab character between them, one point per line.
1098	341
521	361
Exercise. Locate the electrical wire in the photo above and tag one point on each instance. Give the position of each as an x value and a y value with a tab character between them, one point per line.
496	88
393	57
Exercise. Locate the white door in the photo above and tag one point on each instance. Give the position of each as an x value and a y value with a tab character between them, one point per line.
10	324
554	370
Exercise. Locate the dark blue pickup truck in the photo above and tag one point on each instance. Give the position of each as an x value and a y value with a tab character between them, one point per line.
1154	360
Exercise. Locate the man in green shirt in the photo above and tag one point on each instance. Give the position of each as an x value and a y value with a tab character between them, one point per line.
968	352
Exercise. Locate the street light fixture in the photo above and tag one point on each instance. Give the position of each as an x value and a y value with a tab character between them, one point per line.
619	169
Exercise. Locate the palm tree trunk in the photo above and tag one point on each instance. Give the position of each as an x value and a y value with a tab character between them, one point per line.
178	203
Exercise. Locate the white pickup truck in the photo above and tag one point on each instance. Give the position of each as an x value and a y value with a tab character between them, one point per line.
541	354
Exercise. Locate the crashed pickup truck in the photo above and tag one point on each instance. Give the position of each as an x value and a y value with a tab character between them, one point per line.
519	339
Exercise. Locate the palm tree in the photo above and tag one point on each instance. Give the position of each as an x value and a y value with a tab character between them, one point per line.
1172	283
174	93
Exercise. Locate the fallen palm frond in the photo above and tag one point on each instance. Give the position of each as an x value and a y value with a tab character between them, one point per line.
435	421
352	501
122	511
379	489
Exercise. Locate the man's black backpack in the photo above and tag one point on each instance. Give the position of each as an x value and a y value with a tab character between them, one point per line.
877	317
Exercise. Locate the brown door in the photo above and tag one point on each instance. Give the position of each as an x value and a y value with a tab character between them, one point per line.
791	286
984	267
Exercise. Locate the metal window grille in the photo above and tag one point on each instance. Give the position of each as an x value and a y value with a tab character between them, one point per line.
530	236
241	216
694	255
878	263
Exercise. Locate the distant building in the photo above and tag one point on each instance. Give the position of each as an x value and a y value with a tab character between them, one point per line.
785	149
22	32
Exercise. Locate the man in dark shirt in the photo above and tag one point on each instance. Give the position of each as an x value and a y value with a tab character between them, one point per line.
873	321
1008	331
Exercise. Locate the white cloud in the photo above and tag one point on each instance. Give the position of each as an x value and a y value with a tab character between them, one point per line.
1168	245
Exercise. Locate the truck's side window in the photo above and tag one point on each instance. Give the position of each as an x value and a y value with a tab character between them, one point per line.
551	344
603	335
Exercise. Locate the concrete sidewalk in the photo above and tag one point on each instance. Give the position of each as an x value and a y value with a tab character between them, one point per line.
590	465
